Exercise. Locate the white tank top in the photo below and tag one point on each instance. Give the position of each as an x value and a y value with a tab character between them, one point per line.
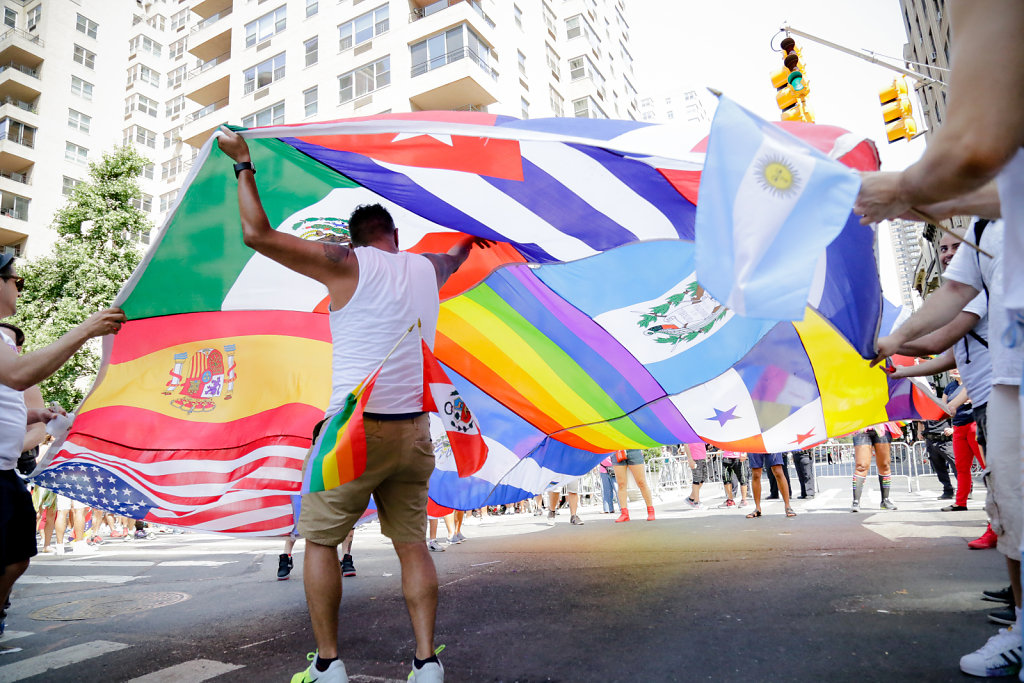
13	414
393	292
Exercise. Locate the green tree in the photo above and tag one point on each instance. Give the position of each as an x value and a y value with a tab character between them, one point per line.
98	232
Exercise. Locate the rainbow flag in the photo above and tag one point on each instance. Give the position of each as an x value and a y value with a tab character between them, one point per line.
339	452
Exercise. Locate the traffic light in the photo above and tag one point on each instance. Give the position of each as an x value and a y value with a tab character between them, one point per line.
791	84
896	111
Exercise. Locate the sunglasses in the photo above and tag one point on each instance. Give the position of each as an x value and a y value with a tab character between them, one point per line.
19	282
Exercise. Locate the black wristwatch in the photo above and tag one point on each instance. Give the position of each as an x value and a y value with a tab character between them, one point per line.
242	165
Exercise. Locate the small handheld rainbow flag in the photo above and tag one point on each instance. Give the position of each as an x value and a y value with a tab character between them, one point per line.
339	452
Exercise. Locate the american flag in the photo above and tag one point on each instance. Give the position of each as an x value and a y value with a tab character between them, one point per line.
253	495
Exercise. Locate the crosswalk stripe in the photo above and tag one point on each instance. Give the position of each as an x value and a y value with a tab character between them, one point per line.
98	578
196	670
108	563
33	666
196	563
11	635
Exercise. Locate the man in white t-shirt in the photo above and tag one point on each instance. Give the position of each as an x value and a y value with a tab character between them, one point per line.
18	373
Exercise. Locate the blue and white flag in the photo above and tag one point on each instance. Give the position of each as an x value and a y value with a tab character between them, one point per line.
769	206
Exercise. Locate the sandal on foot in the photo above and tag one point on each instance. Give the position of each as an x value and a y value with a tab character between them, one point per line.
755	513
790	512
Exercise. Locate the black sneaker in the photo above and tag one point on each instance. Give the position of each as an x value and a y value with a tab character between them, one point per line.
284	566
1007	615
348	567
946	496
1001	595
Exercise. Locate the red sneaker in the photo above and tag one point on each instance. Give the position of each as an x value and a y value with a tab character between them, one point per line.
985	541
650	514
624	517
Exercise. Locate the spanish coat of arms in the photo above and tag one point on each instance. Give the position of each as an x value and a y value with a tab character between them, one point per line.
202	377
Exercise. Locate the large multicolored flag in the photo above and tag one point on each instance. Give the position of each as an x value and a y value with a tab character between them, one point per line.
460	425
585	331
770	205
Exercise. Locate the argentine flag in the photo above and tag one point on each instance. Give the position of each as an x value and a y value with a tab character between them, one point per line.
768	207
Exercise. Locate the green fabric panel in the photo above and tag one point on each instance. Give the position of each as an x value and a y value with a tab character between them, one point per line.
202	252
563	364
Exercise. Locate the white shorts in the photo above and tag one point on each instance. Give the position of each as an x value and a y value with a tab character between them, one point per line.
568	487
64	503
1005	504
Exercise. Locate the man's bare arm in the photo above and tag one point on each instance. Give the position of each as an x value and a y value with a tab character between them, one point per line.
938	310
22	372
927	368
446	264
324	262
37	430
942	338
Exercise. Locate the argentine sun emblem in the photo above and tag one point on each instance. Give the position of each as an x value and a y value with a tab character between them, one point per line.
777	175
201	377
683	316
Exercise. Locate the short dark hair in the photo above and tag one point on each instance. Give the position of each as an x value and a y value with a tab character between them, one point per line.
19	336
368	223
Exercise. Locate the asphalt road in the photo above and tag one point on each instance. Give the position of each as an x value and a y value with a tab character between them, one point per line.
696	595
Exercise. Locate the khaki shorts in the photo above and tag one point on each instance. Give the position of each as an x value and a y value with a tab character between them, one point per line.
1003	457
399	462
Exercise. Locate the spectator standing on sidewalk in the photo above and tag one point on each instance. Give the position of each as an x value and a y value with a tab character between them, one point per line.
775	462
874	439
965	442
607	471
632	461
938	443
734	466
804	462
697	456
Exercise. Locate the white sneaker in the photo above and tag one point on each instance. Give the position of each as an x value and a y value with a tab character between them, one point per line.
58	548
335	672
551	518
82	547
1000	656
432	672
434	547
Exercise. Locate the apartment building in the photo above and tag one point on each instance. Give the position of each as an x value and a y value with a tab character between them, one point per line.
163	74
686	104
907	249
928	50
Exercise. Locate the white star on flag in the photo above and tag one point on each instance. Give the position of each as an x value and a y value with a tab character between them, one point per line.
440	137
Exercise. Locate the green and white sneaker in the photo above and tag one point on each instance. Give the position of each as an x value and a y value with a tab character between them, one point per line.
431	672
335	672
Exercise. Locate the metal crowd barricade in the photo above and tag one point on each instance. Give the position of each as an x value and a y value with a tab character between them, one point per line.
907	460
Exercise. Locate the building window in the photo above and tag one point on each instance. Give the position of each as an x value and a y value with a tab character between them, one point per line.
312	7
76	153
309	99
524	107
266	26
444	48
143	203
178	20
14	206
263	74
141	72
81	88
271	116
16	131
87	26
172	137
177	48
363	28
35	15
148	171
78	120
174	106
176	76
146	44
522	63
142	136
587	108
553	60
167	201
556	101
312	51
170	169
146	105
10	17
69	186
84	57
364	80
519	16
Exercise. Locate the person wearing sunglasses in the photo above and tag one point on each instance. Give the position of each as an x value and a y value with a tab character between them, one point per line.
18	373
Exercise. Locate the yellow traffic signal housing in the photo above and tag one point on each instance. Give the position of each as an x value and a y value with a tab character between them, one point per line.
897	111
791	83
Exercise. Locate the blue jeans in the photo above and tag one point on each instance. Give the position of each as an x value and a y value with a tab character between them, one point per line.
608	492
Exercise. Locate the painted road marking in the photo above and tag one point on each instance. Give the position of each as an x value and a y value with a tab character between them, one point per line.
33	666
196	670
99	578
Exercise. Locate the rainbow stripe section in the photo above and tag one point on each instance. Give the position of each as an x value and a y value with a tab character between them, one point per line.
339	453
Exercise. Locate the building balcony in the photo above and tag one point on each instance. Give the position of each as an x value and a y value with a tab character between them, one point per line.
422	10
12	235
425	22
457	79
209	81
19	82
200	124
211	36
207	8
16	157
21	47
26	112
